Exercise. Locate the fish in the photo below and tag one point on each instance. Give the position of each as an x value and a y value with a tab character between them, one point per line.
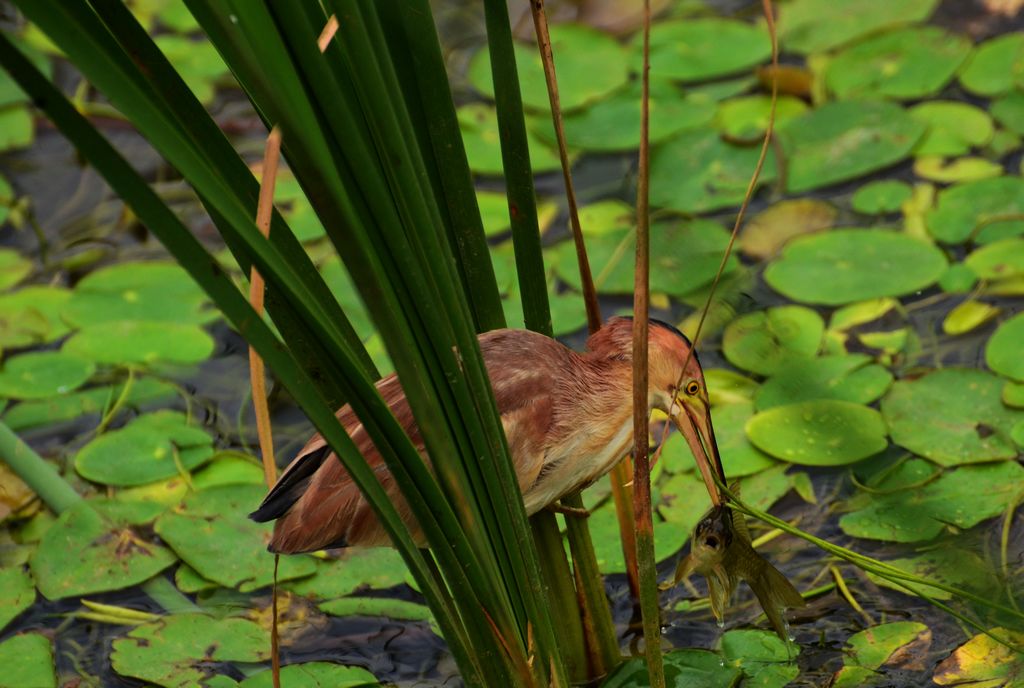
721	551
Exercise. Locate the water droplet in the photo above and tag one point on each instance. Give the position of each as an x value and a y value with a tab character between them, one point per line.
721	623
233	18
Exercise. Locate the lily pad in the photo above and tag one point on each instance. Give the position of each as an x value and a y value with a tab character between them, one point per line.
768	231
967	316
874	647
845	140
314	675
27	660
479	126
17	593
745	119
697	171
388	607
958	279
590	65
851	377
962	497
985	211
41	374
882	196
846	265
150	448
1008	111
1003	352
811	26
376	568
997	66
197	61
10	92
739	456
728	387
953	127
93	547
967	169
762	341
952	416
949	565
984	661
17	128
862	313
142	342
703	49
907	63
13	268
1013	394
67	407
765	660
823	432
690	668
211	533
185	649
998	260
31	315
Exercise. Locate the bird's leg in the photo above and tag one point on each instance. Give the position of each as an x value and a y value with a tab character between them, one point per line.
560	508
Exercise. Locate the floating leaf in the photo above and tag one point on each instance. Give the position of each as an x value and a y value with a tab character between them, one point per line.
10	92
739	457
985	662
702	49
952	416
697	171
377	568
1009	110
996	67
388	607
745	119
479	126
150	448
947	565
41	374
184	649
768	231
953	127
845	140
16	129
998	260
17	593
762	341
1003	351
810	26
968	316
120	343
27	660
31	315
765	660
728	387
861	313
958	279
883	196
31	414
819	433
591	65
847	265
314	675
962	497
93	548
211	532
960	170
985	211
874	647
13	268
690	668
1013	394
851	377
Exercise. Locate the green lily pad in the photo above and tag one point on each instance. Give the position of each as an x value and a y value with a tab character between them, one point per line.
882	196
690	668
590	65
762	341
614	123
32	414
479	126
998	260
10	92
697	171
690	255
962	497
811	26
41	374
739	456
967	316
851	377
952	416
93	548
845	140
975	210
13	268
997	66
949	565
314	675
1008	111
376	568
567	312
401	610
874	647
1002	354
846	265
904	64
184	649
31	315
768	231
1013	394
6	197
765	660
150	448
211	533
824	432
728	387
953	127
17	128
958	279
703	49
967	169
27	660
17	593
745	119
143	342
984	662
197	61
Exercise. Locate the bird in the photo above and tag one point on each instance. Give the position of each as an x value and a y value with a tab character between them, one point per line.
567	416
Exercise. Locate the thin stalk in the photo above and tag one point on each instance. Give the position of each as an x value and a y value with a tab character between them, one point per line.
649	609
561	595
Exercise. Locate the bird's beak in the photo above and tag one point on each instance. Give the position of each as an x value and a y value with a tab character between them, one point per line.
692	416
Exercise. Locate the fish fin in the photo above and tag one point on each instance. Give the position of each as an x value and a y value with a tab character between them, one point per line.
775	593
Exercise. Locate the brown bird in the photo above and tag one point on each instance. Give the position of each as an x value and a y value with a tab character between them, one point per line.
567	417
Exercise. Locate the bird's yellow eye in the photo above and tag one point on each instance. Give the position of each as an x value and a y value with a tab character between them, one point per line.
692	387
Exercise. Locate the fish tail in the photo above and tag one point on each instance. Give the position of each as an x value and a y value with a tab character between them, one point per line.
775	594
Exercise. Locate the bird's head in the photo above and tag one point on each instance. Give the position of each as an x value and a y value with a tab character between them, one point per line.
677	387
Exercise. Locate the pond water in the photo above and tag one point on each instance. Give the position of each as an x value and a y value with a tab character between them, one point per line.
836	325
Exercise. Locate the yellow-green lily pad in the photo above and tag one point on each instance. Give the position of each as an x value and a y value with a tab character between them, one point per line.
314	675
762	341
27	660
952	416
728	387
984	211
984	662
969	169
845	140
882	196
811	26
479	126
142	342
953	127
17	593
41	374
93	547
17	127
211	533
13	268
851	377
997	66
846	265
702	49
874	647
962	498
1003	351
185	649
824	432
967	316
768	231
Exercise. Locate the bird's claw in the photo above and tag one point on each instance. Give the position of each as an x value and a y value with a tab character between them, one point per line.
565	510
